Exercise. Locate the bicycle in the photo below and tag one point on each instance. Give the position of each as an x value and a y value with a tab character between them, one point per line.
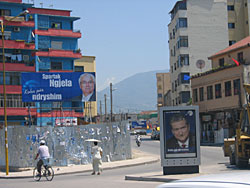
46	171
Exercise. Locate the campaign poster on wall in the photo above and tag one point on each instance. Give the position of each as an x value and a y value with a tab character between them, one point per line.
48	86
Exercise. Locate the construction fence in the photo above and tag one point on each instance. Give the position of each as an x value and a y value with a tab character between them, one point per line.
67	145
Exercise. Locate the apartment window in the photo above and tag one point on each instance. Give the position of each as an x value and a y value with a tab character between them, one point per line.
231	25
182	22
231	42
237	87
184	96
5	12
56	25
174	66
159	78
56	45
184	78
175	85
217	91
159	95
201	93
56	65
79	68
173	34
195	95
182	41
170	36
159	87
11	78
183	59
240	57
173	102
230	7
228	89
174	51
172	69
172	87
210	92
182	5
221	62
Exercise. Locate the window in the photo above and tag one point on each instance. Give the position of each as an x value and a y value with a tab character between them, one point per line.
170	36
231	42
182	41
4	12
209	92
240	57
175	66
11	78
230	7
56	25
183	59
79	68
221	62
172	69
217	91
56	65
195	95
56	45
172	87
159	87
185	96
14	101
237	87
201	92
231	25
159	78
228	89
159	95
173	34
184	77
182	22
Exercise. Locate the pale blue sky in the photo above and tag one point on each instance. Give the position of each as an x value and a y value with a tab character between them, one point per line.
126	36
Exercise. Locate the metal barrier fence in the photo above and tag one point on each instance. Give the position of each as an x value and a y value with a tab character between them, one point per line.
67	145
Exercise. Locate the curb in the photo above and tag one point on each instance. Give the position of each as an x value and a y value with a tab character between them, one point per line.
83	171
134	178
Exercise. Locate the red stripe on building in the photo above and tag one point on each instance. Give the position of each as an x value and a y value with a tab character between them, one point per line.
59	53
58	33
10	89
12	44
12	1
49	11
19	67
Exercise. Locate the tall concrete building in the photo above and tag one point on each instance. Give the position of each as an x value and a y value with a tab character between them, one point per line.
163	86
198	29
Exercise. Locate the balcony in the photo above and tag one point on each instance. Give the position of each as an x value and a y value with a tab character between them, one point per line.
16	44
19	21
59	33
59	53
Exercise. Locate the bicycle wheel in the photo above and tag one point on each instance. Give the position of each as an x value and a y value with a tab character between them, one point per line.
49	173
36	175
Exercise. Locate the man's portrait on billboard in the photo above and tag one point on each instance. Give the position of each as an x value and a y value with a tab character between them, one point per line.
87	86
180	134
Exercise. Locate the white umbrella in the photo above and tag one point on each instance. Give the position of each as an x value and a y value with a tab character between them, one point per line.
92	140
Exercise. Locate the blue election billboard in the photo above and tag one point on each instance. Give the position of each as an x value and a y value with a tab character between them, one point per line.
48	86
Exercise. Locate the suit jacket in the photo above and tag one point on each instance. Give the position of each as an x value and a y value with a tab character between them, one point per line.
79	98
173	144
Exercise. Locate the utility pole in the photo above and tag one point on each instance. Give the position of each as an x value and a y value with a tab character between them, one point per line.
105	99
100	111
111	105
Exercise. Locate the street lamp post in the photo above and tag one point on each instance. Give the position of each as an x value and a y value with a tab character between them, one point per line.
3	25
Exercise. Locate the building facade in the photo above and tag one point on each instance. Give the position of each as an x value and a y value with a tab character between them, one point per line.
198	29
42	41
163	87
219	92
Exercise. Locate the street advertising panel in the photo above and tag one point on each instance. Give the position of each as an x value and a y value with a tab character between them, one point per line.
180	135
48	86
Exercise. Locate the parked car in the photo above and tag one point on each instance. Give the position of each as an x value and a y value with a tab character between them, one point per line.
155	135
223	180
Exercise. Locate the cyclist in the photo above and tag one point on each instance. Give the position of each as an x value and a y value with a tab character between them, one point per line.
43	152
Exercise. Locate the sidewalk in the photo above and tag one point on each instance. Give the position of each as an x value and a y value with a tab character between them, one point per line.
139	158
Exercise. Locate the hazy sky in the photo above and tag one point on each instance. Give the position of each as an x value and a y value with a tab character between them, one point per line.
126	36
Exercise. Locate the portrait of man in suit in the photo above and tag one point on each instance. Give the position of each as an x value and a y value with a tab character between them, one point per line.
87	85
183	140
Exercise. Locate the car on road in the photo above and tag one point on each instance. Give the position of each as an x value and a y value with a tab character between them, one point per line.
223	180
139	131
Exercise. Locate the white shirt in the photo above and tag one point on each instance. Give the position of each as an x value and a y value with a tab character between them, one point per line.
96	152
43	152
86	98
185	143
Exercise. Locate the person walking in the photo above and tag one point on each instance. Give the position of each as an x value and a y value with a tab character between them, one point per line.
97	159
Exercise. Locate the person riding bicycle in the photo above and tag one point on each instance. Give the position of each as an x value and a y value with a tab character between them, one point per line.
43	152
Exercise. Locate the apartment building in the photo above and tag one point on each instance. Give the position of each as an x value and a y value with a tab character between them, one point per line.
42	41
163	86
198	29
219	92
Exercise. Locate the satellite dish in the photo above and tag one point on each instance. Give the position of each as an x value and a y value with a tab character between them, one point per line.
200	64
